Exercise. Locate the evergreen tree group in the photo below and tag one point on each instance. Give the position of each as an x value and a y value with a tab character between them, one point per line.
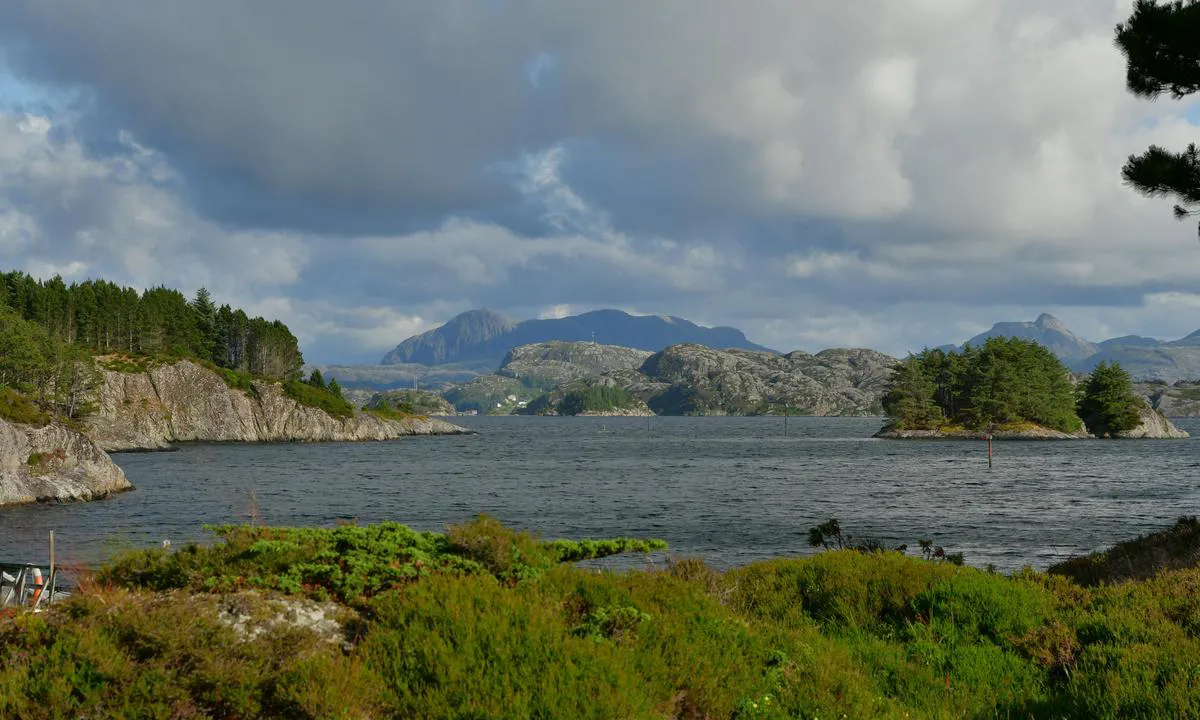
1107	402
103	317
50	331
1003	381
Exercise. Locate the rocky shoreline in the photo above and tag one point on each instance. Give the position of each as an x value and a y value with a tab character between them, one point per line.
54	463
1154	426
185	402
157	409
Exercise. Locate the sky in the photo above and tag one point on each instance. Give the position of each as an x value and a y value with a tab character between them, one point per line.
878	173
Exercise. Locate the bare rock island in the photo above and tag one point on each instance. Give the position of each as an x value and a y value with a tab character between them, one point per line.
54	463
184	401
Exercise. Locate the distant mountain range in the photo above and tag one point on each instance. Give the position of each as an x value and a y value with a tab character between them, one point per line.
483	338
1145	358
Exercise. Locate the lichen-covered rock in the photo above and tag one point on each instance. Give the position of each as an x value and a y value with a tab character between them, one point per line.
1154	426
559	362
184	401
705	381
54	463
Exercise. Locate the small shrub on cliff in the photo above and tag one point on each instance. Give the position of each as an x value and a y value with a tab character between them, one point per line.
318	397
16	408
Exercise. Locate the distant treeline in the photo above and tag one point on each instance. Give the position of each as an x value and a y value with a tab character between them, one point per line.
106	318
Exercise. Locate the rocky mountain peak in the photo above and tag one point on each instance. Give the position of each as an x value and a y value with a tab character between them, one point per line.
1046	321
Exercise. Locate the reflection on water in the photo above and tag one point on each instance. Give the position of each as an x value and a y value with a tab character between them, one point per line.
730	489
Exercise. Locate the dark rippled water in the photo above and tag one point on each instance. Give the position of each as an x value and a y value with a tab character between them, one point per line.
729	489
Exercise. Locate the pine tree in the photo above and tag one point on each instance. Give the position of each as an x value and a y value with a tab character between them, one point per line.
207	334
910	402
1107	402
1163	58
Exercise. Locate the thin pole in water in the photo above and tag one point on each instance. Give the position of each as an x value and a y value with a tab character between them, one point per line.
52	578
989	439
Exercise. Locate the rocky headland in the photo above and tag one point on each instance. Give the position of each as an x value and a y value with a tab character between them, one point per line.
183	402
54	463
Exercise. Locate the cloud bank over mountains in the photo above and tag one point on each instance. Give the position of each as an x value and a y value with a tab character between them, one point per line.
872	173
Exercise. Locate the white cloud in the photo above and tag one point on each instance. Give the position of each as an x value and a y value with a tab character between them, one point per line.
814	172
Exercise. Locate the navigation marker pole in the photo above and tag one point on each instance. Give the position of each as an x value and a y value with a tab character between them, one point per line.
989	439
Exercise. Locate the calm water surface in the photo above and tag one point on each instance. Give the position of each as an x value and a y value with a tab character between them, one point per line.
730	489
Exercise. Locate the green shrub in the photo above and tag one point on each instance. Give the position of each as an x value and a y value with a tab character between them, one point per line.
16	408
351	561
1175	548
389	412
318	397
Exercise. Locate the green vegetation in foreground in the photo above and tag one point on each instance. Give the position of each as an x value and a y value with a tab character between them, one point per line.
1003	381
482	622
596	398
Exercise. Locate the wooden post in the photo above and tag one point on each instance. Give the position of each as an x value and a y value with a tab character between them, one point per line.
50	589
989	439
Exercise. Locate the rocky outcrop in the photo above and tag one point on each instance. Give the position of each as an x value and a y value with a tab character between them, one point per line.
1025	432
559	362
1181	399
697	380
1154	426
184	402
417	402
54	463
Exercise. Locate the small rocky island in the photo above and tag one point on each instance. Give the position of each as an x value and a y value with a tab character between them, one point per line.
1014	389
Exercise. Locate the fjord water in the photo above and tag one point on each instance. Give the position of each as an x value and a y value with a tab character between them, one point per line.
728	489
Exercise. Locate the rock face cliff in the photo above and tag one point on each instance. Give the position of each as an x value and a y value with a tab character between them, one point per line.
1179	400
54	463
184	402
1154	426
696	380
559	362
